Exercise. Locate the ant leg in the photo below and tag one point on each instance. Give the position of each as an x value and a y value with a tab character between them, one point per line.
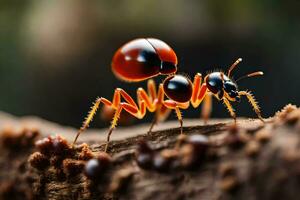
176	106
152	102
161	114
152	99
200	94
253	103
206	107
230	109
113	125
196	87
114	104
199	91
179	116
90	116
151	89
154	121
131	109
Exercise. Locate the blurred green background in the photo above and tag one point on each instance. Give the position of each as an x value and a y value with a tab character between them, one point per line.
55	55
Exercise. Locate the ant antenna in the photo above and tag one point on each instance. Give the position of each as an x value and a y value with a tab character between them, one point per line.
258	73
234	65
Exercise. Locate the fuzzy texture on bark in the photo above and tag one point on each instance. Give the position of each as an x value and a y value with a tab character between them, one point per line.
249	161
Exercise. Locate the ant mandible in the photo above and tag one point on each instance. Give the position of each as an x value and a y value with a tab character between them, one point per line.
141	59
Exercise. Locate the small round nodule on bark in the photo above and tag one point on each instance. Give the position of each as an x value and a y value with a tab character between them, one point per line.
53	145
93	168
144	155
60	145
165	160
144	160
96	167
39	161
105	159
160	163
44	145
200	142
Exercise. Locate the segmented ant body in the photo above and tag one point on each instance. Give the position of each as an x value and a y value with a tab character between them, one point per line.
179	91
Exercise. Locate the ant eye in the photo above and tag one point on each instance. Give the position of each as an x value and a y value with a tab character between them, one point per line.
178	88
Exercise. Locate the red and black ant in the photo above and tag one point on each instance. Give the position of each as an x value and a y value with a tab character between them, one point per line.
141	59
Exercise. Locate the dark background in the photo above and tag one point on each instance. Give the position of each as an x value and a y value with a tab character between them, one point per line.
55	55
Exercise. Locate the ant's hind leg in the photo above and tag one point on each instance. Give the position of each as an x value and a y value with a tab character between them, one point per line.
113	125
230	109
206	107
253	103
154	121
131	109
161	114
94	108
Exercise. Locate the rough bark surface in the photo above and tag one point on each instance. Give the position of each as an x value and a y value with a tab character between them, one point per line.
252	160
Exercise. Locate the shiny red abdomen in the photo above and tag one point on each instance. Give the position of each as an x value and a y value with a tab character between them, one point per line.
144	58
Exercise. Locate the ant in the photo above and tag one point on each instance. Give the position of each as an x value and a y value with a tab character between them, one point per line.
141	59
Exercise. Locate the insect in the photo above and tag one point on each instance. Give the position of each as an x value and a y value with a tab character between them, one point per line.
180	93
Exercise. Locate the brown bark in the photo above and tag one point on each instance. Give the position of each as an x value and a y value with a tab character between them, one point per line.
249	161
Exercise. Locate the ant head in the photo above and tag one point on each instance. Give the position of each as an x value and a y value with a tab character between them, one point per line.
222	85
178	88
231	90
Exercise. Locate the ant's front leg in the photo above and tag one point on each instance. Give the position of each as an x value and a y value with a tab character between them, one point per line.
253	103
230	109
176	106
200	93
206	107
